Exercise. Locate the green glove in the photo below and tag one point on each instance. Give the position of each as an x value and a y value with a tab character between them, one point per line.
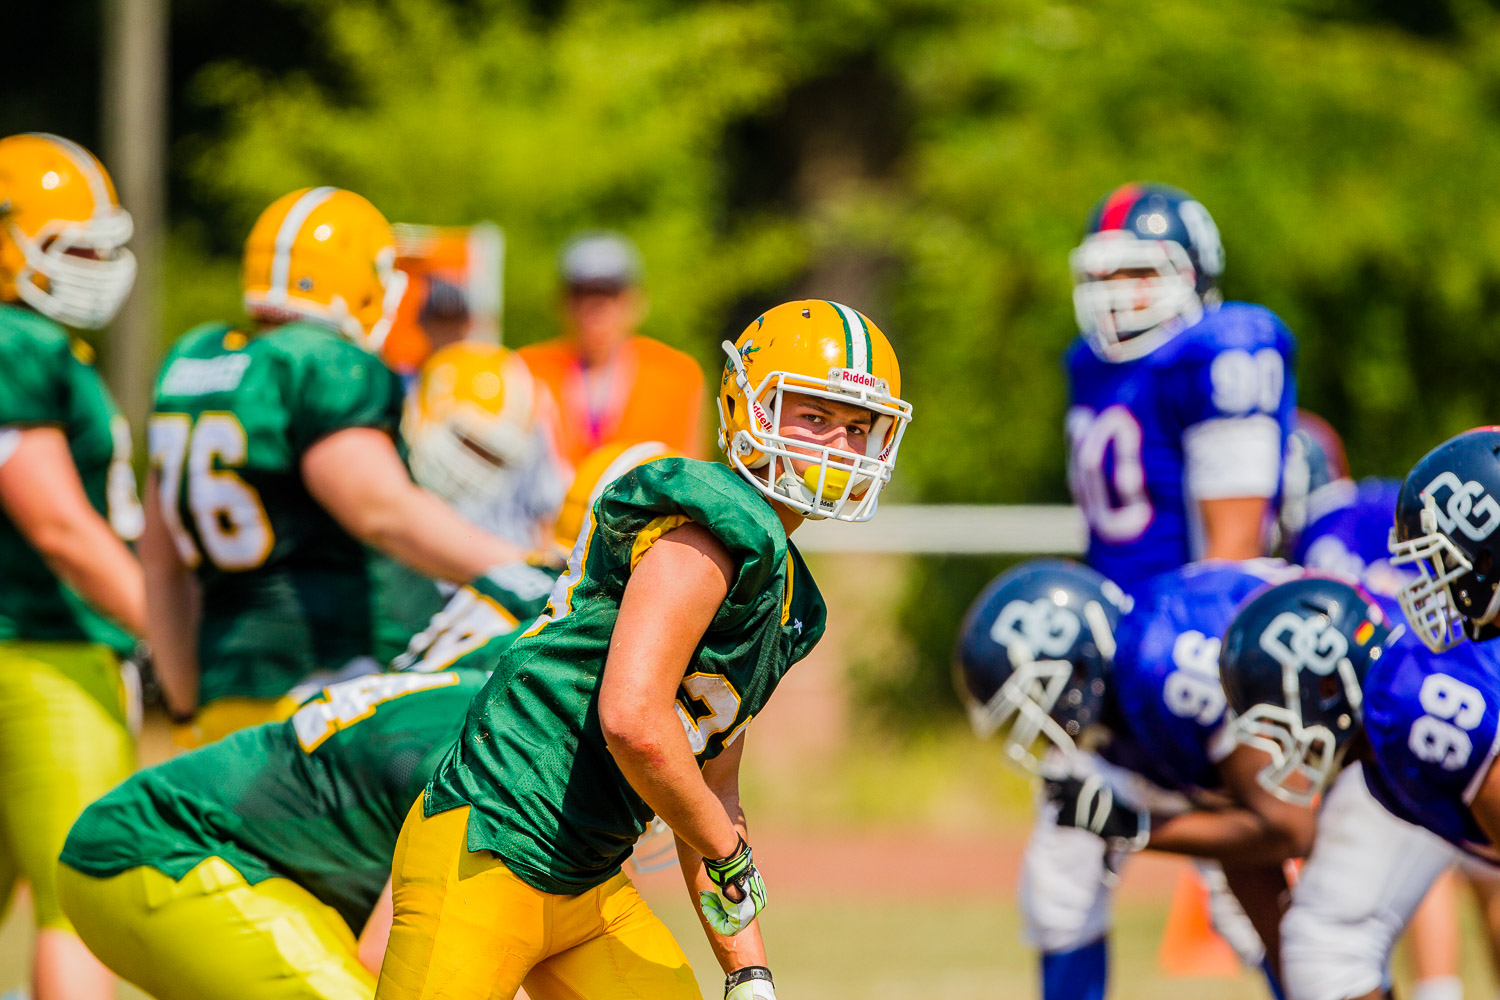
753	982
741	895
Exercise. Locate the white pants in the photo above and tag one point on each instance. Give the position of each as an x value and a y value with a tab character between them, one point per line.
1367	873
1067	894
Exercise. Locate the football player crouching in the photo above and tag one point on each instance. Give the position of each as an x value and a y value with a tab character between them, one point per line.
1125	707
256	867
1310	667
683	606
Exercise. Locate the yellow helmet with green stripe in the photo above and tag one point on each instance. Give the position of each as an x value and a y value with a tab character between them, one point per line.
823	349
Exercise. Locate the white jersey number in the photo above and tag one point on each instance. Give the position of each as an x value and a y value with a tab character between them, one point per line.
125	514
1193	690
344	704
1116	507
714	693
230	518
1442	735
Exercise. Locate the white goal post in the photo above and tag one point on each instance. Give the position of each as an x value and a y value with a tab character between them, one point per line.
953	529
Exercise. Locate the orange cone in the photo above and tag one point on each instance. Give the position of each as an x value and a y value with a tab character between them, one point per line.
1190	948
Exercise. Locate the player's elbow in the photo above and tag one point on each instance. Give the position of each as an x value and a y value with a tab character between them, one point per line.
62	540
631	730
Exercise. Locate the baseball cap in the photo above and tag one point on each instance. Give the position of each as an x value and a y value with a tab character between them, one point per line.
599	259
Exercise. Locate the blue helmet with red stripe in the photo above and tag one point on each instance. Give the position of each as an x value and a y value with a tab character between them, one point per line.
1148	265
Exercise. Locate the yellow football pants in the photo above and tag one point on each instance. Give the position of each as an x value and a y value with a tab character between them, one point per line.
64	742
223	716
212	936
466	928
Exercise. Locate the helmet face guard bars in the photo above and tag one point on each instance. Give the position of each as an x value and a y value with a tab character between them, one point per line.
838	484
1022	707
1427	598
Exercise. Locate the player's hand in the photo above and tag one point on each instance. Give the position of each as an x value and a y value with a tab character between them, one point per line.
1089	804
741	895
753	982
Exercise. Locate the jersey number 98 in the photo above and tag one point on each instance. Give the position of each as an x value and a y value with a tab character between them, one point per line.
1442	735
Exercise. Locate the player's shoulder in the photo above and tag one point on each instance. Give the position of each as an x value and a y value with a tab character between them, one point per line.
1232	326
1378	495
708	493
1080	355
302	343
24	331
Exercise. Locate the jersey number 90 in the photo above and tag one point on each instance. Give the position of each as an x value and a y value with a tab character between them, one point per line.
201	457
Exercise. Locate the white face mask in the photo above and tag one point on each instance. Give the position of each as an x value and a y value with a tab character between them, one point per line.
1129	317
838	484
81	291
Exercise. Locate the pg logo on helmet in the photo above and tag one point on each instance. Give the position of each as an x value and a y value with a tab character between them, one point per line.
1043	629
1463	506
1305	643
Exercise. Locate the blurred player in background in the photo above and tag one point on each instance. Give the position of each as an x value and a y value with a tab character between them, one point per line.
72	598
683	606
482	436
276	485
256	868
1328	521
1124	717
1179	404
611	384
1315	672
1333	524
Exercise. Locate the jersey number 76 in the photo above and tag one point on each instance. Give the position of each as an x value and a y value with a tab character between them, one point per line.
201	457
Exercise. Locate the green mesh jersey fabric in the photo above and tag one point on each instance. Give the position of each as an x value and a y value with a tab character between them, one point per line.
488	614
286	591
318	799
545	792
48	379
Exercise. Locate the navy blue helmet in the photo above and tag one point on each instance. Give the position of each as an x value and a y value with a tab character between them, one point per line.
1149	263
1293	664
1034	656
1446	520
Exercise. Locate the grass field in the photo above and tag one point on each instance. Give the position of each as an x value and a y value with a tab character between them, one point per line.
963	946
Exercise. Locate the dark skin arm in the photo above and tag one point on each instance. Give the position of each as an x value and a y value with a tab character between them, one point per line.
1259	830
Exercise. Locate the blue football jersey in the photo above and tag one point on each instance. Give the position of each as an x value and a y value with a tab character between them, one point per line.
1168	704
1348	528
1204	416
1432	721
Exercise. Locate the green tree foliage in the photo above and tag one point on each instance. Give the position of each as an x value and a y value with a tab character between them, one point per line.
933	161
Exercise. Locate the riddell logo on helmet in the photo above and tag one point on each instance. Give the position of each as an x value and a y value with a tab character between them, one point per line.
849	375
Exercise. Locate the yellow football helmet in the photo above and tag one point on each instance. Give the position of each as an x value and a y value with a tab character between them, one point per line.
598	469
62	231
470	421
327	255
816	348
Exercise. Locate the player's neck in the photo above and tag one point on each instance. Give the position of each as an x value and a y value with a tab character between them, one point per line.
790	519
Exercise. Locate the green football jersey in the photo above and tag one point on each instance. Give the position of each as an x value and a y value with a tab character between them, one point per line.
318	799
286	591
48	379
545	792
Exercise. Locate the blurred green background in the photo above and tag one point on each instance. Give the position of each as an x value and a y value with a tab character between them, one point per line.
929	161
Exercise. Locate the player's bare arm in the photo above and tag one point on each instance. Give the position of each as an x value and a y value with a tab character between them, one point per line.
1261	829
174	603
738	951
357	476
377	931
671	599
41	493
1233	527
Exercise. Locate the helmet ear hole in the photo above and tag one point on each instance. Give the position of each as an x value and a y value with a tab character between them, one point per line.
731	406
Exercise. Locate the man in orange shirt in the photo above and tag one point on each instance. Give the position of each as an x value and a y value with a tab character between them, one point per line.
611	384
